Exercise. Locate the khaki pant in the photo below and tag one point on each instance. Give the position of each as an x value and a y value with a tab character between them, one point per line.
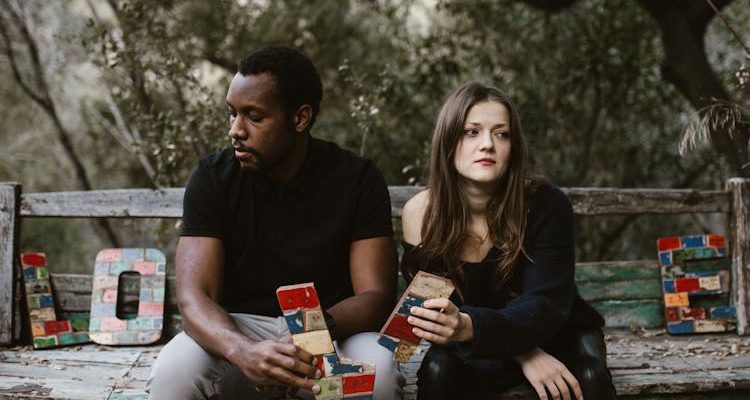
185	371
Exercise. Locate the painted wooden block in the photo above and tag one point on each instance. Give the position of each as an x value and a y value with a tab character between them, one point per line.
397	335
46	330
304	317
676	299
105	326
314	342
296	297
404	351
331	388
695	281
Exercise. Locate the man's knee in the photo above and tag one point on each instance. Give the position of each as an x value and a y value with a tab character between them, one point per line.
183	370
363	347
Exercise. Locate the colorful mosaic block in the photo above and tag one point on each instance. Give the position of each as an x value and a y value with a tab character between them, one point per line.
340	377
46	330
695	281
397	335
105	326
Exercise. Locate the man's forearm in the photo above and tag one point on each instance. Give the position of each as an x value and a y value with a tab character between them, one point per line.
211	326
363	312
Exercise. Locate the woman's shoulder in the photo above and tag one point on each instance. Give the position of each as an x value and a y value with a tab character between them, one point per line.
412	215
545	195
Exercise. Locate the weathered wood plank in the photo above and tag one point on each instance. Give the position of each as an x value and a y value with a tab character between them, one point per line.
610	271
621	290
601	201
626	313
167	203
9	196
84	372
120	203
739	229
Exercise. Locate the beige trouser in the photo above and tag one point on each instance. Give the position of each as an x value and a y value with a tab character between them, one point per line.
184	370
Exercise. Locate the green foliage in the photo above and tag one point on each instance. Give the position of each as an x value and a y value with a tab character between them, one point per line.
595	108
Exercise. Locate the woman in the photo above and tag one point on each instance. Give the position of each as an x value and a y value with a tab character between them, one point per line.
506	241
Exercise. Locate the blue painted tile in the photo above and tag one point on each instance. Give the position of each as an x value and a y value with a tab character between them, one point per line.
45	300
342	368
132	254
693	241
408	303
388	342
665	258
294	322
29	274
669	286
680	327
722	312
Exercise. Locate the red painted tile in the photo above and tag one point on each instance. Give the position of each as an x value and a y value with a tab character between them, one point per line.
364	383
716	241
692	313
150	309
672	314
668	243
292	299
33	259
400	328
55	327
687	284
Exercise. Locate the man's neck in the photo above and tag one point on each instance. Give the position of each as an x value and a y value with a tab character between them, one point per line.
291	165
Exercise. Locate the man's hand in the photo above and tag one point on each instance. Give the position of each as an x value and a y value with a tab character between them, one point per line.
544	371
439	321
275	363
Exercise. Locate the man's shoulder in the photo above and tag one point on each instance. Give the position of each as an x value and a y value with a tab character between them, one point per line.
342	163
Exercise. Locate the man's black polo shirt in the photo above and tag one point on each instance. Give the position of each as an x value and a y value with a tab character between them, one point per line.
276	235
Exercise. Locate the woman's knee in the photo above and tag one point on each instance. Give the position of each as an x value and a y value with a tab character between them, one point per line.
440	368
595	380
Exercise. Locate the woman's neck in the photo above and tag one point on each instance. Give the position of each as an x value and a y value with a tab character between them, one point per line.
477	196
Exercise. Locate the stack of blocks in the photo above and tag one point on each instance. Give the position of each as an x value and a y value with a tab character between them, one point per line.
696	280
146	328
341	378
46	329
397	335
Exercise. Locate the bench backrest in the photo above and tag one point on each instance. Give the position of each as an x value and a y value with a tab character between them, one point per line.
627	293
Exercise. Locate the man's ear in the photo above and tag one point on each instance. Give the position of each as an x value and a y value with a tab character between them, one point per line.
303	118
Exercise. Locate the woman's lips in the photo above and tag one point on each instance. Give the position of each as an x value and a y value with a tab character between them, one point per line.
485	161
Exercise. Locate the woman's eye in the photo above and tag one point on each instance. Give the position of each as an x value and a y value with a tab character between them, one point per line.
502	134
470	132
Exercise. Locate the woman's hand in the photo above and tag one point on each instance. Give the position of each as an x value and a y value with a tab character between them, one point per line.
439	321
544	371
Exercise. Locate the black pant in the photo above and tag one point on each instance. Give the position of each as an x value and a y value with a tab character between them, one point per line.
443	375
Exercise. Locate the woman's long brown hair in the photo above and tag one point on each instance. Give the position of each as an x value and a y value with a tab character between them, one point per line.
445	223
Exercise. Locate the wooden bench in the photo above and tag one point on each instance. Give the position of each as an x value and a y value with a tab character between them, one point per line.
646	363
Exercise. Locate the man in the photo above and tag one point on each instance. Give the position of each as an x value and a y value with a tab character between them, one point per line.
278	207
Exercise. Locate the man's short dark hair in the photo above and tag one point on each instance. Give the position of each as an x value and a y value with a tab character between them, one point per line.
297	80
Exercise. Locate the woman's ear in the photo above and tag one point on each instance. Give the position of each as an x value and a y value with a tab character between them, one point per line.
303	118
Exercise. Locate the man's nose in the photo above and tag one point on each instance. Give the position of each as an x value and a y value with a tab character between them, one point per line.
236	131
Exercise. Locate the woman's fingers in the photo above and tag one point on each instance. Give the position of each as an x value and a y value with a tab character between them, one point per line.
573	384
432	337
552	389
539	388
563	388
430	326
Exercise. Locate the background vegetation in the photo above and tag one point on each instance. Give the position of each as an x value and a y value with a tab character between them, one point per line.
130	93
